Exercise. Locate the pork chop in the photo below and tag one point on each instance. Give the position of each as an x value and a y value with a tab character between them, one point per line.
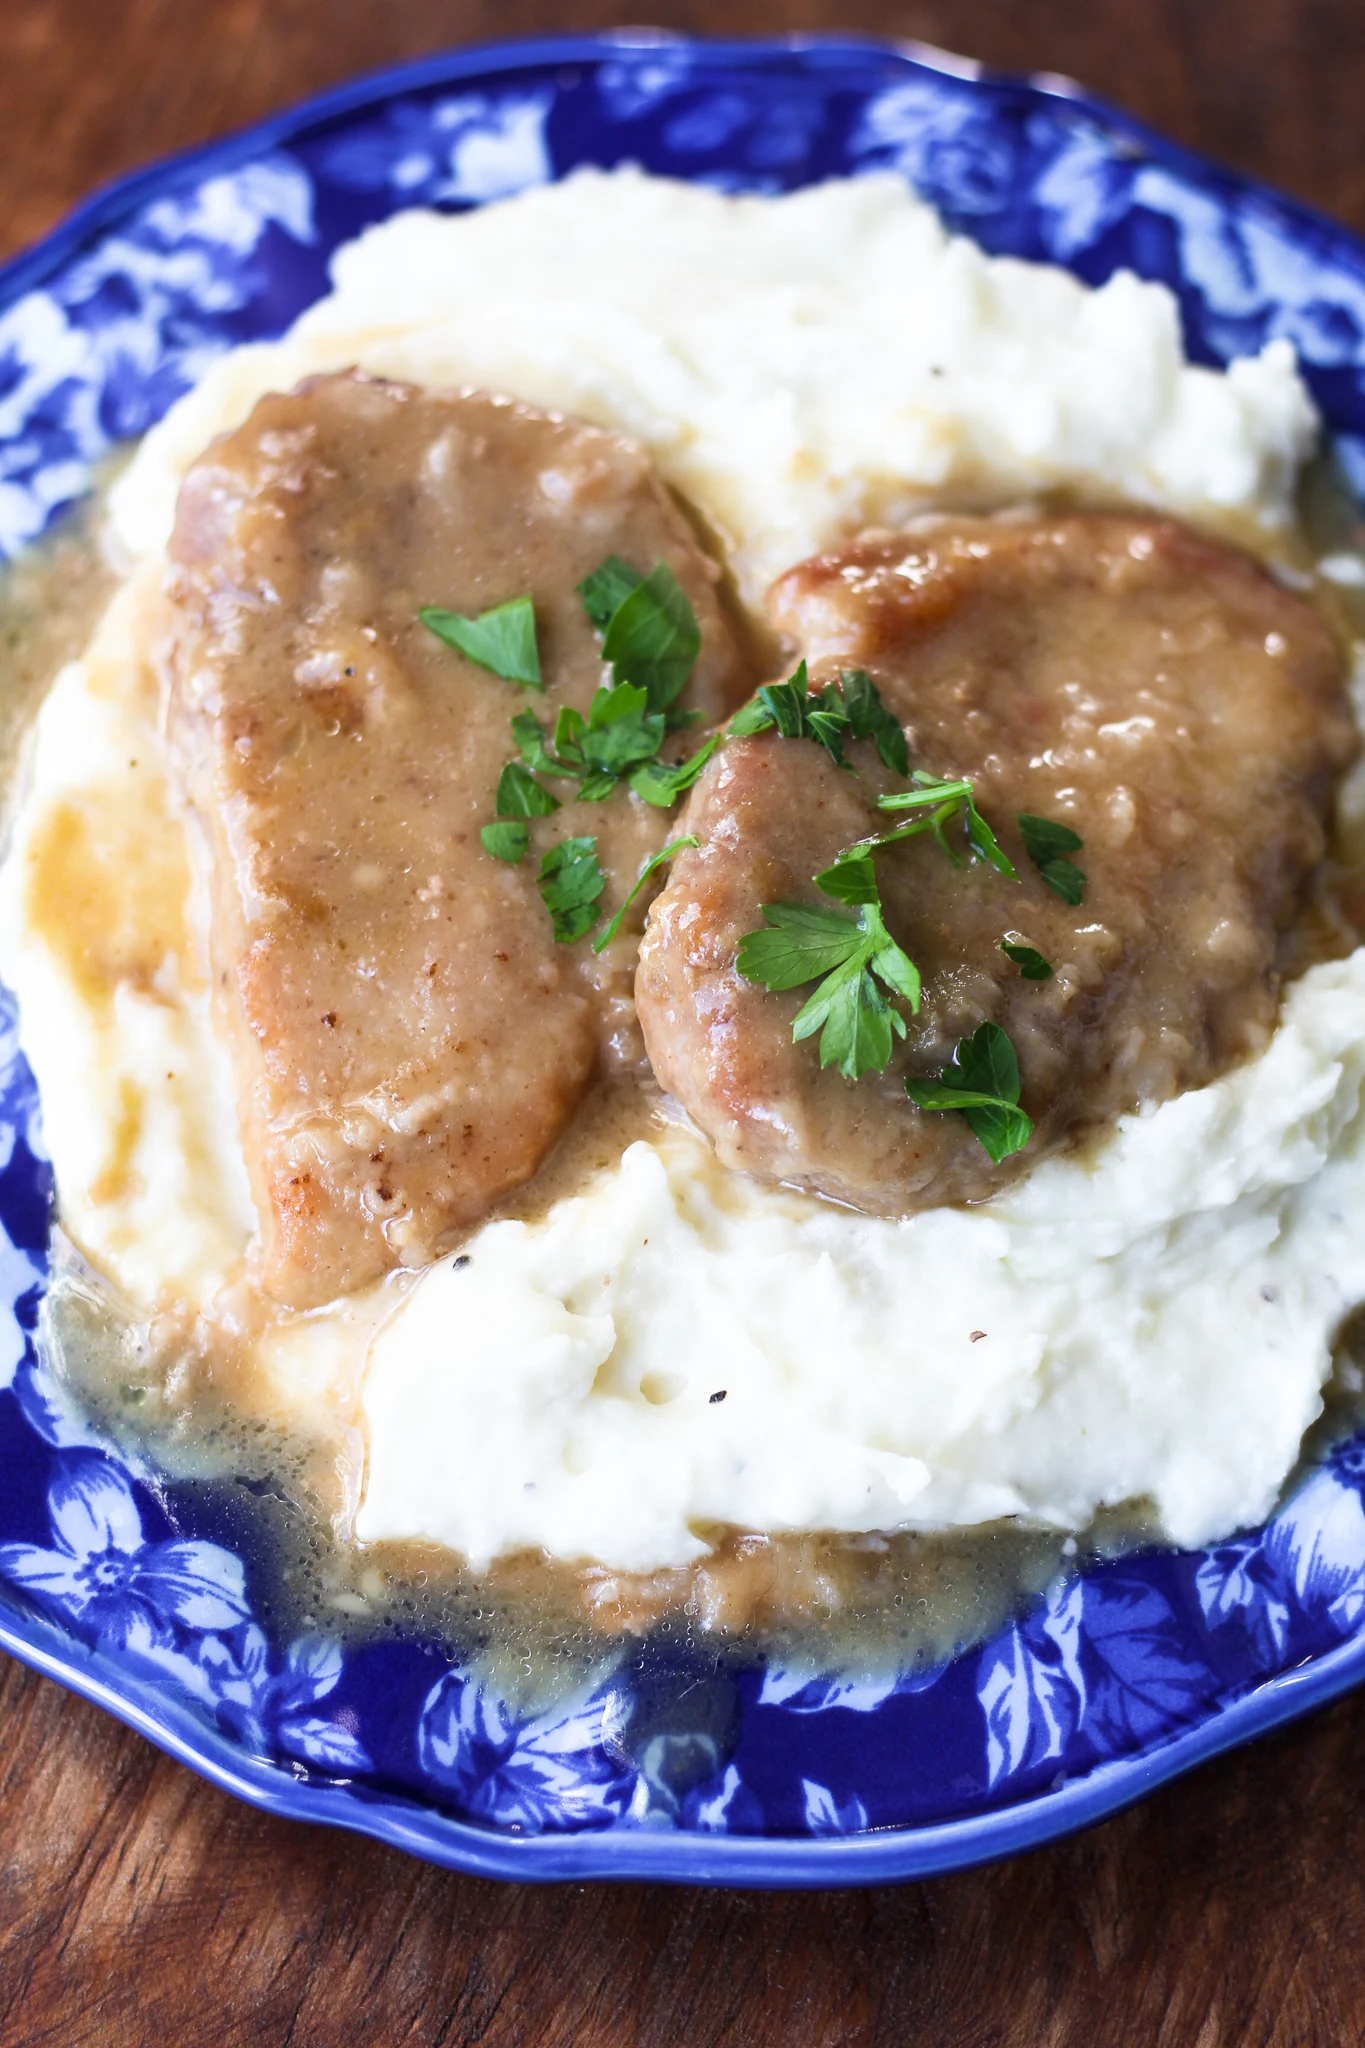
408	1036
1155	692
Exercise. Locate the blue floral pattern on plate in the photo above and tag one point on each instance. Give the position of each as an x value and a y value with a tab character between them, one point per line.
153	1597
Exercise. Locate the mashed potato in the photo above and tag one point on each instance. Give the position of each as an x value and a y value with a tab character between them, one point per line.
799	367
1154	1321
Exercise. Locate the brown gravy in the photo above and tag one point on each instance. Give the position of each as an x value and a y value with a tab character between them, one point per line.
534	1625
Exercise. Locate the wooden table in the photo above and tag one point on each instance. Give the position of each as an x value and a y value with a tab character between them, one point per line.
139	1906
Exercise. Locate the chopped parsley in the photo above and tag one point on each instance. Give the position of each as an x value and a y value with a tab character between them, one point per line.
649	630
607	589
651	637
570	883
662	783
850	708
618	734
655	861
846	957
869	719
1046	843
617	742
982	1085
519	797
1027	959
506	839
797	712
943	802
503	640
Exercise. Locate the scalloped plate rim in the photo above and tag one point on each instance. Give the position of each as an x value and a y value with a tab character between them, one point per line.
424	1828
108	201
764	1862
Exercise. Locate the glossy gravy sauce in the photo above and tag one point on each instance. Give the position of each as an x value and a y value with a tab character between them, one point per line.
186	1403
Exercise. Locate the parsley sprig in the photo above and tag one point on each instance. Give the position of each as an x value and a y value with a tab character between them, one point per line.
502	640
982	1086
520	798
570	883
847	957
1030	962
1047	843
651	866
651	637
619	733
848	709
649	630
942	803
662	782
617	742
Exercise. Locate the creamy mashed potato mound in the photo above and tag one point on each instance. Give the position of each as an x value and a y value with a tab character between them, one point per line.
1153	1321
799	367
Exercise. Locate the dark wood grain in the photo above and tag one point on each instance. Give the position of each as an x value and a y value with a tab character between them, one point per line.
138	1906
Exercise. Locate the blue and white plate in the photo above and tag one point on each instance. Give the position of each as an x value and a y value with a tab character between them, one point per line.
148	1597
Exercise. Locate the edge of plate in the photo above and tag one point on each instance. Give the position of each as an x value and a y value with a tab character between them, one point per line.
108	202
645	1854
664	1855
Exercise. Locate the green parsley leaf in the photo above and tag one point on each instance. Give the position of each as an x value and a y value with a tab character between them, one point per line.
946	799
529	735
502	640
827	721
1044	837
869	719
752	717
618	734
1027	959
987	1061
660	783
570	883
506	839
785	704
857	1026
521	796
847	956
852	877
804	941
800	713
652	638
1047	843
598	751
607	589
890	964
982	1085
1064	879
621	732
655	861
851	707
985	845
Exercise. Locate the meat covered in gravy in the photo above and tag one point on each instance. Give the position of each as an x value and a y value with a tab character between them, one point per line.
409	1038
1152	690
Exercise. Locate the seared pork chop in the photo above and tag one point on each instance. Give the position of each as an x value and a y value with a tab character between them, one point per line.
409	1038
1152	690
